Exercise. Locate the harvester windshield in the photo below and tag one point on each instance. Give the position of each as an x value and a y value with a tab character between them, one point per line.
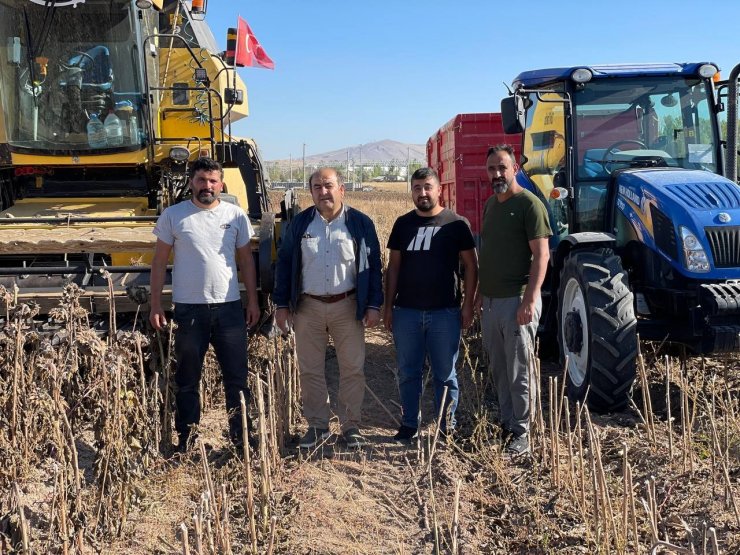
647	121
66	68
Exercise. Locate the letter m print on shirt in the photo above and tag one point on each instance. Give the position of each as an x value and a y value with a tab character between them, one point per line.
423	239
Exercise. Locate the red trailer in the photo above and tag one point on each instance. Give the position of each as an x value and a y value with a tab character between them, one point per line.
457	152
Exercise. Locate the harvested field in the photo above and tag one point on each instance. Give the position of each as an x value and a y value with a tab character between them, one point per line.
86	465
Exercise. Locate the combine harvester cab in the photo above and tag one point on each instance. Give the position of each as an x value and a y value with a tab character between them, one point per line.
629	161
102	105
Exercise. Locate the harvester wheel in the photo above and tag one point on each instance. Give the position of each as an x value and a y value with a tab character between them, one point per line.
597	329
266	249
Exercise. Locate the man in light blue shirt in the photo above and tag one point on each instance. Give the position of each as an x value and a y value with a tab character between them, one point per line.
328	282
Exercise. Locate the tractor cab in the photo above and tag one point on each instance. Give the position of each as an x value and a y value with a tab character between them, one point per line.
584	124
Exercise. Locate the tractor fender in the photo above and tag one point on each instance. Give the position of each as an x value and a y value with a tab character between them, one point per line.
589	239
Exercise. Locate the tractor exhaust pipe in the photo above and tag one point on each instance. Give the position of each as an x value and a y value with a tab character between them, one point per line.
731	162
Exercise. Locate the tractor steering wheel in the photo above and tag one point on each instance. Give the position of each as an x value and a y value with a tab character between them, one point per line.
612	149
82	56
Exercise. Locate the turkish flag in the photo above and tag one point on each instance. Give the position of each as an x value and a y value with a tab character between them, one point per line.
249	51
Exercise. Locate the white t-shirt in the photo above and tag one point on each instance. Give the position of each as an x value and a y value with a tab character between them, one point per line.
204	243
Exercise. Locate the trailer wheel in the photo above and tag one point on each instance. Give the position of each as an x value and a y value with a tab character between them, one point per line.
597	329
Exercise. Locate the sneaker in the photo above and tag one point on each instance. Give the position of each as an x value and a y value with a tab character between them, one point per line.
313	436
354	438
406	433
519	445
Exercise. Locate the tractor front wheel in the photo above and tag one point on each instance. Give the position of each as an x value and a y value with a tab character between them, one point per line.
597	329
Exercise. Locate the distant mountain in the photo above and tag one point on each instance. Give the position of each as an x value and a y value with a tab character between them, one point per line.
379	151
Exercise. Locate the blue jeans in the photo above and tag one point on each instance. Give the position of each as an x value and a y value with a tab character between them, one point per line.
223	326
419	334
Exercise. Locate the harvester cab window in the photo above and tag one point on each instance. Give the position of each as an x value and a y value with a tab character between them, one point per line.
68	67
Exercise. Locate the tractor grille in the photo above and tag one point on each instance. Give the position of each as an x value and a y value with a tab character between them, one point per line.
664	232
725	245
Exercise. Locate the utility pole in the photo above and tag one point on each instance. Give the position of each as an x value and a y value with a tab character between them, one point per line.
360	167
346	171
408	175
304	165
291	168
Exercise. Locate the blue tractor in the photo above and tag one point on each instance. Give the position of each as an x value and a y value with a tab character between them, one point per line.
639	175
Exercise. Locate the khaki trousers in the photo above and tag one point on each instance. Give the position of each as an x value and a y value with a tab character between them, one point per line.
313	323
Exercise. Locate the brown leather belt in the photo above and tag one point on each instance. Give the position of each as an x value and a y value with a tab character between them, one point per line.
331	298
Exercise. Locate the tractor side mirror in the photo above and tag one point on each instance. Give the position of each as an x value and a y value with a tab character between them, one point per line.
512	114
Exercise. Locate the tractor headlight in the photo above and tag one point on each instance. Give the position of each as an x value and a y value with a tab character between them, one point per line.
695	257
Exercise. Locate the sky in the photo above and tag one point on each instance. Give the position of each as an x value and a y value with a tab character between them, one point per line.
348	73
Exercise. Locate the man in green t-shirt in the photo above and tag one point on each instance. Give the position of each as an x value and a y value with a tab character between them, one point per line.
513	262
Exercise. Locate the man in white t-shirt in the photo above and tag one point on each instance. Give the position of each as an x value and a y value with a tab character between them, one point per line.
208	238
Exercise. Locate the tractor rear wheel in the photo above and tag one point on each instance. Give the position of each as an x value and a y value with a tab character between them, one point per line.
597	329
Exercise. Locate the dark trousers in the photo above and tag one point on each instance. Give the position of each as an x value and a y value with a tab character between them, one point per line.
223	326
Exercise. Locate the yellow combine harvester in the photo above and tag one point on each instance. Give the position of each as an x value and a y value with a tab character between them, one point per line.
103	102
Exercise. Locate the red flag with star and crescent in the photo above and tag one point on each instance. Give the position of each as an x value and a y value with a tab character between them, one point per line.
249	51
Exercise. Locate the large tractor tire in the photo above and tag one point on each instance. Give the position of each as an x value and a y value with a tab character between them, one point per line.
597	329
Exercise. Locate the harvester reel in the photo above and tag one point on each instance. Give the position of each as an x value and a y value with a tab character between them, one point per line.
266	248
597	329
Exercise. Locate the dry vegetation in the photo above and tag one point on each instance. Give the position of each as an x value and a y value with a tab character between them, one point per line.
86	465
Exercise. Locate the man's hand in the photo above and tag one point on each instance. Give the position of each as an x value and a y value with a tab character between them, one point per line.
284	320
157	318
466	314
372	318
388	318
525	312
253	313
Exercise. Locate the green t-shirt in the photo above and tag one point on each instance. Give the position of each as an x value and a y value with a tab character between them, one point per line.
505	256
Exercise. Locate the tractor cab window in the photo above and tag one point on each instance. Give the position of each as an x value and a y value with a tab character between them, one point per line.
544	153
637	123
646	122
722	92
66	67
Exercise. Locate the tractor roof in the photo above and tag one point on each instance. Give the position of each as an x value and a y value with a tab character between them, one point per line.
541	76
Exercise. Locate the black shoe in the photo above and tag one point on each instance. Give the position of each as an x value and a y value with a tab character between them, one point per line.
519	445
313	437
406	433
354	438
252	440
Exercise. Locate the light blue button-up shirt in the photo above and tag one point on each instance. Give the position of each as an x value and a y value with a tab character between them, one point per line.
328	257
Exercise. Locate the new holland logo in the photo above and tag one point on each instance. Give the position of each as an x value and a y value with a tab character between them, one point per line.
423	239
724	217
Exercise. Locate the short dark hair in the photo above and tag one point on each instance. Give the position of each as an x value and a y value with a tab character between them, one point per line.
502	148
424	173
317	171
205	164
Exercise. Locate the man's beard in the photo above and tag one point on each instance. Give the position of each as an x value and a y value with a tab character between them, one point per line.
207	197
500	186
425	205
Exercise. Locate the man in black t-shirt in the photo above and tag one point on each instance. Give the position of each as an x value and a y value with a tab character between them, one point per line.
423	298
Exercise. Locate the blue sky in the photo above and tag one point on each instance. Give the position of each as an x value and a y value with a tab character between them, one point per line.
348	73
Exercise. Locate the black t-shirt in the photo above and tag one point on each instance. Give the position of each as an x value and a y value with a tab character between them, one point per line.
429	277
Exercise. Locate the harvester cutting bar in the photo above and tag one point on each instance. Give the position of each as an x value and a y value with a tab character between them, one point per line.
78	220
74	270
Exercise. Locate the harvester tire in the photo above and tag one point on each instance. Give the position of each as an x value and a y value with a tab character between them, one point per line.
597	329
266	250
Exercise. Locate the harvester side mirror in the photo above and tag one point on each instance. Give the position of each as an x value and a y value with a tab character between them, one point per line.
512	114
234	96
